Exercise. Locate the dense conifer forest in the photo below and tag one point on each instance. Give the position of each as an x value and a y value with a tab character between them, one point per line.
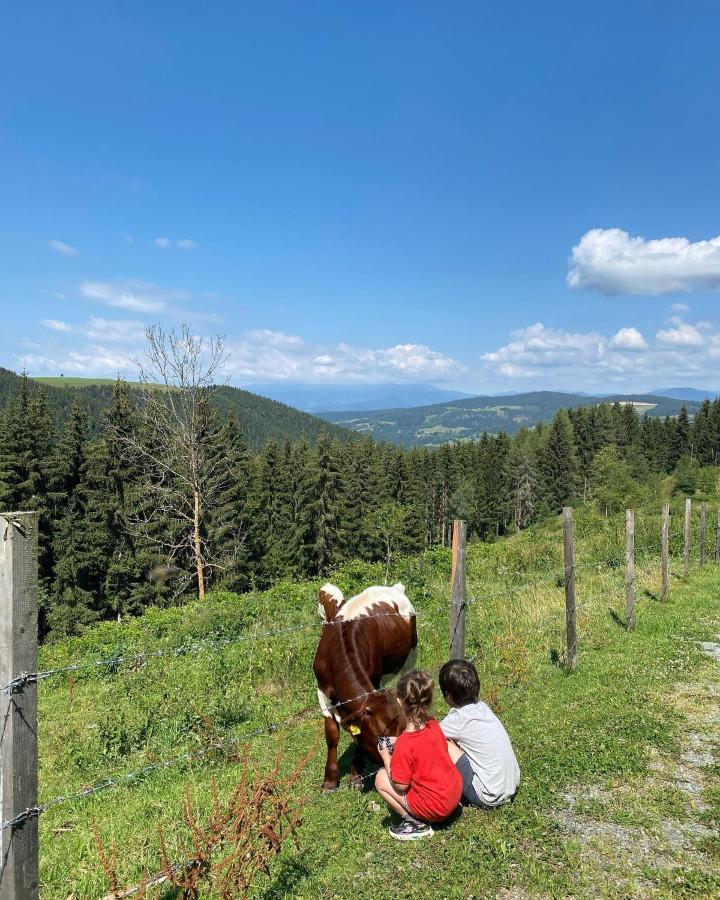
296	508
261	417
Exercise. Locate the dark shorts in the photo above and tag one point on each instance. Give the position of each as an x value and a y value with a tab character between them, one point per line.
469	794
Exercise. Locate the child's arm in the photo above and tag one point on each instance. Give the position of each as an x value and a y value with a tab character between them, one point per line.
386	756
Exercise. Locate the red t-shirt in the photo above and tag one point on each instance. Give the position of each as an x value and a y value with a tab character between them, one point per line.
421	759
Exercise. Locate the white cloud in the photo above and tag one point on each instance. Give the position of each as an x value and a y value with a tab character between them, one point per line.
129	330
93	360
138	296
683	335
610	261
183	243
628	339
546	357
538	347
271	355
680	307
56	325
63	248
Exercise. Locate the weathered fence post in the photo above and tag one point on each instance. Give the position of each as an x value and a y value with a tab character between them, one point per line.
703	526
570	619
665	552
686	545
457	591
19	879
630	569
717	538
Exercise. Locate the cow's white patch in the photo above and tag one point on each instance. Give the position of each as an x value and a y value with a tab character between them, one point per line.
333	591
327	707
362	605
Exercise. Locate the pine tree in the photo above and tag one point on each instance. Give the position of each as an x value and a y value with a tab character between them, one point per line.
327	528
272	514
26	437
83	549
558	463
228	524
679	443
67	461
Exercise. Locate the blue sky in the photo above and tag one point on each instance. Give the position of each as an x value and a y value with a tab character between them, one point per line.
366	192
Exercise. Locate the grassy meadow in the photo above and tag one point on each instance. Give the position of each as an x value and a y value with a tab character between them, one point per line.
596	729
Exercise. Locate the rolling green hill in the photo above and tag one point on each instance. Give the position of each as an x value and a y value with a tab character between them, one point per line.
259	417
468	418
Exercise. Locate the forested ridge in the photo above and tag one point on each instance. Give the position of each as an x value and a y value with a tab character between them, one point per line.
297	509
469	417
260	417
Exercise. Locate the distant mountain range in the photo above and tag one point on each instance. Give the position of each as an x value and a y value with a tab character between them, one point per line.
469	417
686	393
317	398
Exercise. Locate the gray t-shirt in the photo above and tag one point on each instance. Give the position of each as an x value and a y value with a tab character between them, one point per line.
482	737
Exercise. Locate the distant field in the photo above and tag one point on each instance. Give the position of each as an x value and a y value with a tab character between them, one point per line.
62	381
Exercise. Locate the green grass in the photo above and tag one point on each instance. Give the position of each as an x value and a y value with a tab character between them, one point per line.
72	381
599	725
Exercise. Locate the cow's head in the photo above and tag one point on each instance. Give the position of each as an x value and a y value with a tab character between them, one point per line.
380	714
330	599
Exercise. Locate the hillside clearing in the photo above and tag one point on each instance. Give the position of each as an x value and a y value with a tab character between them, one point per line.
583	741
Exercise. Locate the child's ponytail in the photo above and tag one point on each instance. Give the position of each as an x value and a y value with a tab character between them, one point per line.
415	690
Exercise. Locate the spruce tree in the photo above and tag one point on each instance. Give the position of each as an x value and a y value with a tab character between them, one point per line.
83	549
558	463
229	530
329	538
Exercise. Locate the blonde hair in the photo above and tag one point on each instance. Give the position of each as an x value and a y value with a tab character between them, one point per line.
415	690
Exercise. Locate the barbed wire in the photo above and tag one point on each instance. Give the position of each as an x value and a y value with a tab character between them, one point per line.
141	657
189	756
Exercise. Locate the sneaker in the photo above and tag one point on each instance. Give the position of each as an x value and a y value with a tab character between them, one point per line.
410	830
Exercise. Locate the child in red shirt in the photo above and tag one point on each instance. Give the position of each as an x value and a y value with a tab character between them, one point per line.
418	779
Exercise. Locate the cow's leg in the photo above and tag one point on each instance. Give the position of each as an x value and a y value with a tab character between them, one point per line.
332	737
358	764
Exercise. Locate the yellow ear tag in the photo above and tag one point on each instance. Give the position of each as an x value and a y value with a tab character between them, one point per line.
354	730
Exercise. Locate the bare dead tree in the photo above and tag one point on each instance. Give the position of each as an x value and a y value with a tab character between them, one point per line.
180	475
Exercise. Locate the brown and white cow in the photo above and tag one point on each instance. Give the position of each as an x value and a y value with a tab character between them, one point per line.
363	640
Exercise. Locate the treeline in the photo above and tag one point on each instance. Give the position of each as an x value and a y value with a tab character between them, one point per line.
297	509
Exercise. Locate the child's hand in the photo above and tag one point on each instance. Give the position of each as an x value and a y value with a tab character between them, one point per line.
384	745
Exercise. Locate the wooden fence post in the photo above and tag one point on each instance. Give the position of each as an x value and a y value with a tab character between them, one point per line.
703	526
630	569
686	545
570	618
665	552
457	591
717	538
19	878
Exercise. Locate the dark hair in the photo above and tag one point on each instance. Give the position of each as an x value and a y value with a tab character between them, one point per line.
415	690
459	682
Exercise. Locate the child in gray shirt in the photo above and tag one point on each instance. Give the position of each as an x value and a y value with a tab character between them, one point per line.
477	741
